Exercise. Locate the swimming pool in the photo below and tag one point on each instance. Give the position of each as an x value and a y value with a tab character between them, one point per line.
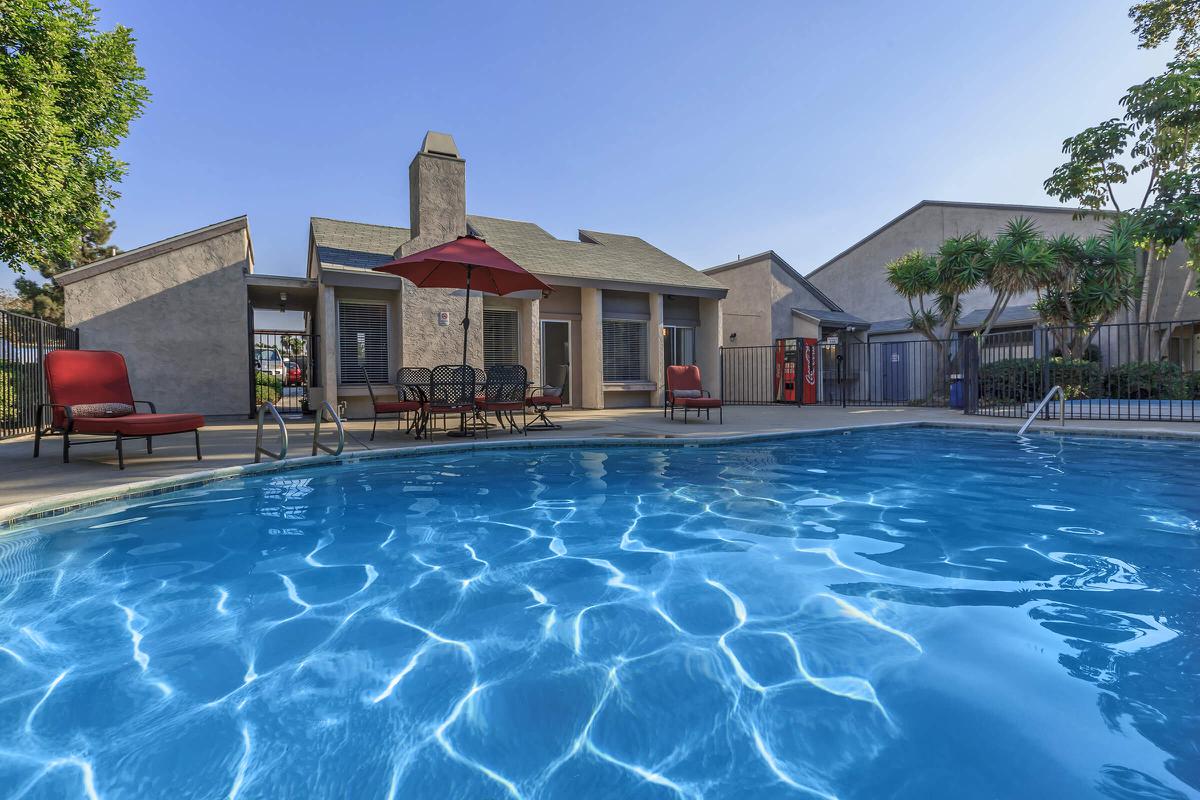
905	613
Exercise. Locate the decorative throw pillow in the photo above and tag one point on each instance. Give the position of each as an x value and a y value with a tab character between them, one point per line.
551	391
102	410
686	392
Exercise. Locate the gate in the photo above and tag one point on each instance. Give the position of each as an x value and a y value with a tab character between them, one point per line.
916	372
24	343
283	366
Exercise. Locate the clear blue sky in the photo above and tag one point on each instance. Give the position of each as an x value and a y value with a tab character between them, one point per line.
710	129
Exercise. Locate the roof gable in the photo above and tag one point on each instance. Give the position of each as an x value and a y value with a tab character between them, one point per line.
598	257
170	244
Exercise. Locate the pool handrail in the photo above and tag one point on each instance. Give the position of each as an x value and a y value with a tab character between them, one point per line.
259	450
341	431
1062	409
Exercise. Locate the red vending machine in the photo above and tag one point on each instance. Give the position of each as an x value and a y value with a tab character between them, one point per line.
785	370
809	390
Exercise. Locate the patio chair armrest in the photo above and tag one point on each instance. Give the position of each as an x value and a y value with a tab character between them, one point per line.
66	412
705	393
153	408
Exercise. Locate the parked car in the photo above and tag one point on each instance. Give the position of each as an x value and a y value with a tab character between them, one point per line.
295	376
268	360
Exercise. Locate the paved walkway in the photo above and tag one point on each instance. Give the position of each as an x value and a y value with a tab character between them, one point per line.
230	442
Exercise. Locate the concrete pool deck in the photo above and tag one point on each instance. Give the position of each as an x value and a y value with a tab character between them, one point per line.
26	482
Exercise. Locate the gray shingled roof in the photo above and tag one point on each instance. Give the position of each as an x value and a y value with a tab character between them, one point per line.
900	325
827	317
1012	315
600	256
356	244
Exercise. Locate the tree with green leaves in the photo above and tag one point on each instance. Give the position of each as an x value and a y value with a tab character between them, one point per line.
1088	282
68	92
1159	138
1156	21
1016	261
45	300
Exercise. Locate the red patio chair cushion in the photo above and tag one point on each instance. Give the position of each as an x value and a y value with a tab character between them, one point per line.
509	405
397	406
544	400
78	377
139	424
699	402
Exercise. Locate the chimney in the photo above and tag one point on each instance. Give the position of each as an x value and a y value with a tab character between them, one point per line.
437	191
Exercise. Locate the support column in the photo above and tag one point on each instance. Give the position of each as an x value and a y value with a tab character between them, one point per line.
329	344
529	318
656	362
708	345
591	337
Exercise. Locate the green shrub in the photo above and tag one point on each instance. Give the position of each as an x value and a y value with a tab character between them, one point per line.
1192	381
1010	380
1026	380
268	388
1148	380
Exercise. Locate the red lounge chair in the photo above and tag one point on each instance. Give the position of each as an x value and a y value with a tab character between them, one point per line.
90	394
685	391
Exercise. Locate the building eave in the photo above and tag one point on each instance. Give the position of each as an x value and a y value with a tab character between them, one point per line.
158	248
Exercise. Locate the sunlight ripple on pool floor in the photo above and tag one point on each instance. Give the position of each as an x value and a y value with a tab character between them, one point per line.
918	614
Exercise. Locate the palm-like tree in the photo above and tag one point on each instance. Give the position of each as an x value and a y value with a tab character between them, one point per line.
1018	260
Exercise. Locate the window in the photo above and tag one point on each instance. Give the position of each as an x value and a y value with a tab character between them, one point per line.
679	346
624	350
362	341
500	341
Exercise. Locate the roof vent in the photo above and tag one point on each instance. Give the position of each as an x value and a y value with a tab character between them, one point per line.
439	144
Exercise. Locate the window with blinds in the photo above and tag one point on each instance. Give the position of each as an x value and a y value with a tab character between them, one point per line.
362	340
500	344
624	350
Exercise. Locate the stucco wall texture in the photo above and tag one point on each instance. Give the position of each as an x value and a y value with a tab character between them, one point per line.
857	279
180	320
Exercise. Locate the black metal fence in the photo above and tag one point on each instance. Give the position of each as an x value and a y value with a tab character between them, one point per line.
283	368
24	342
751	376
886	373
1130	371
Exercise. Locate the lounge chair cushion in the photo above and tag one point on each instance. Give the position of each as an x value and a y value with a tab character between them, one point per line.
101	410
682	393
700	402
139	424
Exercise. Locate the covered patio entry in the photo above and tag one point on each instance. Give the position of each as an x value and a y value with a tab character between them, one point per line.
284	350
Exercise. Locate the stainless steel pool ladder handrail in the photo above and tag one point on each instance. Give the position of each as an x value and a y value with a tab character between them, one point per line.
259	450
341	431
1062	409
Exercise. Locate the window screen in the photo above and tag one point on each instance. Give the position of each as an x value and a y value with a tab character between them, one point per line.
624	350
362	339
500	336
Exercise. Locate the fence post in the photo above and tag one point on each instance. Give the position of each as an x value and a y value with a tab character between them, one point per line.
968	367
720	374
1043	332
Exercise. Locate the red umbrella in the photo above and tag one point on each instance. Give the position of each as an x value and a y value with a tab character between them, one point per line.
466	263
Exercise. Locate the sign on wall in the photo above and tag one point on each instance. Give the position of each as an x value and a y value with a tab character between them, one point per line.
443	319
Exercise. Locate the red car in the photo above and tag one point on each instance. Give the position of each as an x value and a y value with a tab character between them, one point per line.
294	376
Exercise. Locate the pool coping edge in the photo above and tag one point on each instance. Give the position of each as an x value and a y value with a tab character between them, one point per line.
17	514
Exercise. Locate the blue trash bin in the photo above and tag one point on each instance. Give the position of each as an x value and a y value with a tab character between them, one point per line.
956	393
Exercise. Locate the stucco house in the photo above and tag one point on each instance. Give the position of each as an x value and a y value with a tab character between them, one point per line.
182	310
857	276
769	300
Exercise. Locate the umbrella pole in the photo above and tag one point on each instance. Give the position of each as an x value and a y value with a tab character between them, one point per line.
467	316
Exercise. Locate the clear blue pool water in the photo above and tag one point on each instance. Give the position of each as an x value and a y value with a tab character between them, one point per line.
904	613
